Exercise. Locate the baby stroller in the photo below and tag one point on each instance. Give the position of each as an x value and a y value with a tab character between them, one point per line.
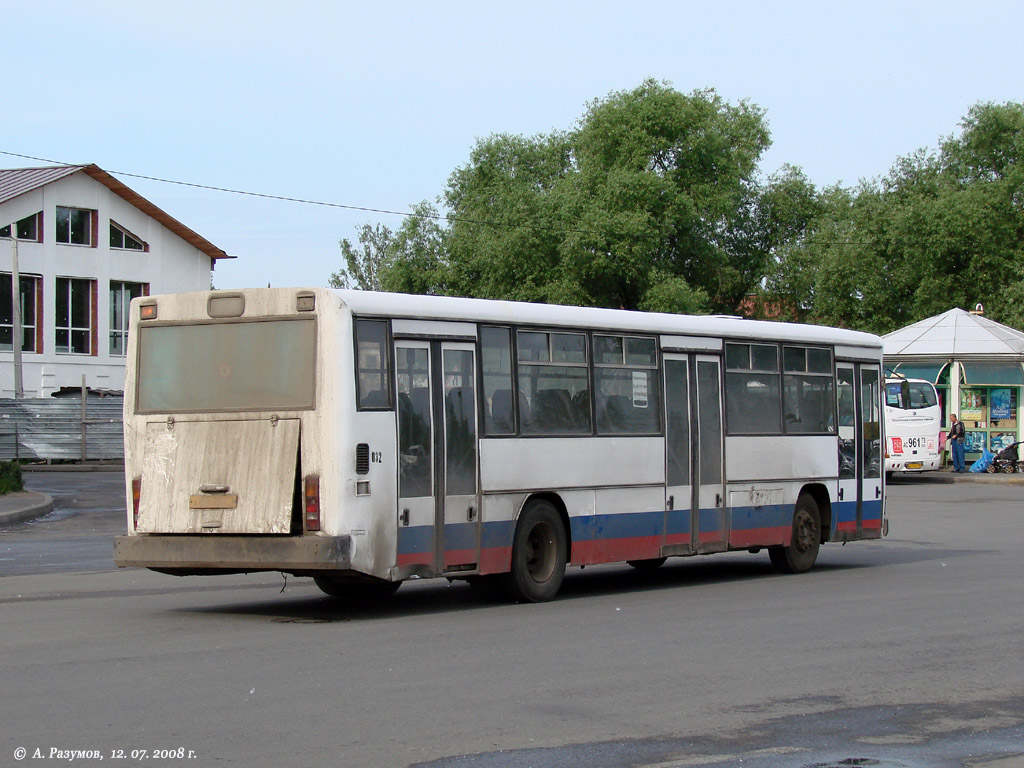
1006	460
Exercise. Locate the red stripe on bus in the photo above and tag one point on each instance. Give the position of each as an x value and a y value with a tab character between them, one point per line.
633	548
495	560
459	557
761	537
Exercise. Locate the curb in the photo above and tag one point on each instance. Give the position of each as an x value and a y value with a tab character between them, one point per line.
89	467
24	505
948	478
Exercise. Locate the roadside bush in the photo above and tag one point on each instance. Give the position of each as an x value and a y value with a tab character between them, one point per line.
10	477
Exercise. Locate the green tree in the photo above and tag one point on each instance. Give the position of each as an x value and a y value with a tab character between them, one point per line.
507	218
660	176
939	230
410	259
418	261
364	265
636	207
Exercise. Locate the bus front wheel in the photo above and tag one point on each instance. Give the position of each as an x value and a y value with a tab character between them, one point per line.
802	550
538	554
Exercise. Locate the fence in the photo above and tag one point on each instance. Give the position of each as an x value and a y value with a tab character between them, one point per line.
73	428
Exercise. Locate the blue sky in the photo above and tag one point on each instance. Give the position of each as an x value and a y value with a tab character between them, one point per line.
374	105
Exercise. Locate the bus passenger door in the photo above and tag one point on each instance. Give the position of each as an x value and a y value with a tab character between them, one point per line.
694	448
851	469
709	468
869	523
460	539
438	504
678	450
417	543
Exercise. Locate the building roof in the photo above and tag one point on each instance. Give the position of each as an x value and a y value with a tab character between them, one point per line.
18	181
955	334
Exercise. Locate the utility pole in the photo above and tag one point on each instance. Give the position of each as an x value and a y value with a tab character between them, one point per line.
16	332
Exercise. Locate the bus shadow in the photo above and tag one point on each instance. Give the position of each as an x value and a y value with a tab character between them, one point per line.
423	598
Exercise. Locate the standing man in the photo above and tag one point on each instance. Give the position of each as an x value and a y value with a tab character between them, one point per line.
956	437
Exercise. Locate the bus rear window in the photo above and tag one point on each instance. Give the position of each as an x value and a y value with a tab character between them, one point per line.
251	366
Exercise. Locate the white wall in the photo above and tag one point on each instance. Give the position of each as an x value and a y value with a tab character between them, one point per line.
170	266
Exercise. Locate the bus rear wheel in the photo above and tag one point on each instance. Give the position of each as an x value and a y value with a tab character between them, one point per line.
802	550
334	586
538	555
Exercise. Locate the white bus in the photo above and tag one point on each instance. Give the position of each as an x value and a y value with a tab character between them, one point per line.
365	438
913	424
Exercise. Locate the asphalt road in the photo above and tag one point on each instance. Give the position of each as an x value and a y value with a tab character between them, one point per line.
905	652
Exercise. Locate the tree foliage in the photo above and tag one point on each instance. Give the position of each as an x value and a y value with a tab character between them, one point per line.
653	201
410	259
938	231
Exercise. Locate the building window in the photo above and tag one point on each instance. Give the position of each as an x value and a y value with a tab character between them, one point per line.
73	316
121	295
74	226
122	238
29	287
27	229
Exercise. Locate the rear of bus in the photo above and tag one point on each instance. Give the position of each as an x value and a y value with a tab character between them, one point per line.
232	403
913	424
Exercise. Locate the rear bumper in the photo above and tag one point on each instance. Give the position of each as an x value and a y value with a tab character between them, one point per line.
900	464
234	553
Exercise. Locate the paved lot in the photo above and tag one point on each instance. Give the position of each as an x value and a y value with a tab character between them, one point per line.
905	652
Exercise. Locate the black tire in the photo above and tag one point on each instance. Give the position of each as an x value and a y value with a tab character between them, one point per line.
334	586
647	565
538	555
802	551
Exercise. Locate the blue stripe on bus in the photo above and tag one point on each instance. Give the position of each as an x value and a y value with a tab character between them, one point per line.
497	534
767	516
460	536
678	522
416	540
617	526
589	528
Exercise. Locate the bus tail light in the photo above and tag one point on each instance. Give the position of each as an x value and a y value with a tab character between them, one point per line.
136	495
311	497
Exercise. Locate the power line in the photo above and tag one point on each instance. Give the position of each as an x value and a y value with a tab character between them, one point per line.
366	209
233	191
304	201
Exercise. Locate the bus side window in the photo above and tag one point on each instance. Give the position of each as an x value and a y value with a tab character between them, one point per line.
626	385
496	366
554	379
373	377
753	394
807	393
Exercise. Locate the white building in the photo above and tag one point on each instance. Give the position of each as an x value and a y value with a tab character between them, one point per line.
86	245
